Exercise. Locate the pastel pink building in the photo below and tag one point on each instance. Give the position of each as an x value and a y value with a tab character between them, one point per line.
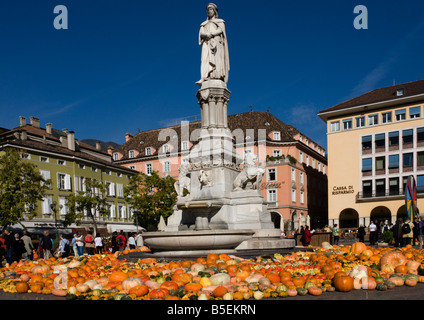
295	180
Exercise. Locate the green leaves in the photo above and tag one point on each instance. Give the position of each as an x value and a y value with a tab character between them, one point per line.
21	186
151	197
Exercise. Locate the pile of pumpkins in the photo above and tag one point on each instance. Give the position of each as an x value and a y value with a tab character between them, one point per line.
218	276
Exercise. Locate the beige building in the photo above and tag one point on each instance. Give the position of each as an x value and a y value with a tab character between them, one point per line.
375	142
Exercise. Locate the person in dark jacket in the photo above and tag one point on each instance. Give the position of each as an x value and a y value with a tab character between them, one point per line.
47	245
307	236
8	241
361	233
18	248
397	233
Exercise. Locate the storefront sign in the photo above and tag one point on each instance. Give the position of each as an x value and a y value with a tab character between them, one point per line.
342	190
271	185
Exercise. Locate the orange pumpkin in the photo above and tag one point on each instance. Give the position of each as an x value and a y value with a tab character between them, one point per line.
158	294
192	287
298	281
170	285
391	260
273	277
401	269
212	258
22	287
220	291
127	284
139	291
118	276
357	248
343	283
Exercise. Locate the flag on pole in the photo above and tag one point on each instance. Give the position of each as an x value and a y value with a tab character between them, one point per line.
411	198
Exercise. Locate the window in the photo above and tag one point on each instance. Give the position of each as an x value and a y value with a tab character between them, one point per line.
25	156
80	184
131	154
110	189
400	114
63	181
132	167
116	156
367	189
367	165
380	187
276	153
61	162
394	161
184	145
108	172
302	180
293	195
47	201
380	141
63	208
335	126
400	92
394	186
301	157
420	158
302	197
46	176
366	142
94	169
148	151
165	148
420	135
347	124
420	183
360	122
293	174
407	137
393	138
307	160
386	117
408	160
380	163
373	119
414	112
166	166
272	195
271	174
149	168
44	159
81	166
276	136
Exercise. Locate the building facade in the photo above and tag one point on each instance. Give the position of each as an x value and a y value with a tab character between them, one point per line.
294	183
375	142
67	163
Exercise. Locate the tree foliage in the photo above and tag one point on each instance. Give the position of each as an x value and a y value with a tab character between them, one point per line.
150	196
21	187
91	201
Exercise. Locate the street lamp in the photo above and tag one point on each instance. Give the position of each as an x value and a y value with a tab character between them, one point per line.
54	209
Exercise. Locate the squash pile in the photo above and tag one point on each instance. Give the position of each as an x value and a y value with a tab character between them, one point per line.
218	276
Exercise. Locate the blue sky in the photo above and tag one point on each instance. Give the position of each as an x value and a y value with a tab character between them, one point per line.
130	65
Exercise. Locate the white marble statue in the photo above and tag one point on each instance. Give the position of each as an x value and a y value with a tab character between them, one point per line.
250	173
215	62
183	179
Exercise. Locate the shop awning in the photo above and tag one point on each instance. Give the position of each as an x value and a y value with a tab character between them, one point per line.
124	227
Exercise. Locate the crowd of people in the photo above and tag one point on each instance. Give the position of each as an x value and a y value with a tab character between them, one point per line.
404	232
14	247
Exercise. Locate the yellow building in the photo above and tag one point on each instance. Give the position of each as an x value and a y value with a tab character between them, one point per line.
375	142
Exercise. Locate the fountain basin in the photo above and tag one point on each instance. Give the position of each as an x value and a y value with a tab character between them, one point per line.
196	240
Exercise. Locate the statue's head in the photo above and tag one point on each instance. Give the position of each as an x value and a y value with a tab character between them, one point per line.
212	10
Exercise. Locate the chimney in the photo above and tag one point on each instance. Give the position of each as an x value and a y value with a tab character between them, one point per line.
35	122
65	131
128	136
98	146
49	128
22	121
71	140
110	150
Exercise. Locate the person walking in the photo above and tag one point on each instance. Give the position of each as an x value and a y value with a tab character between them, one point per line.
74	245
121	241
80	244
139	240
307	236
8	241
28	246
361	233
64	247
407	232
18	248
89	244
46	245
421	233
113	242
373	233
336	234
131	241
98	241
